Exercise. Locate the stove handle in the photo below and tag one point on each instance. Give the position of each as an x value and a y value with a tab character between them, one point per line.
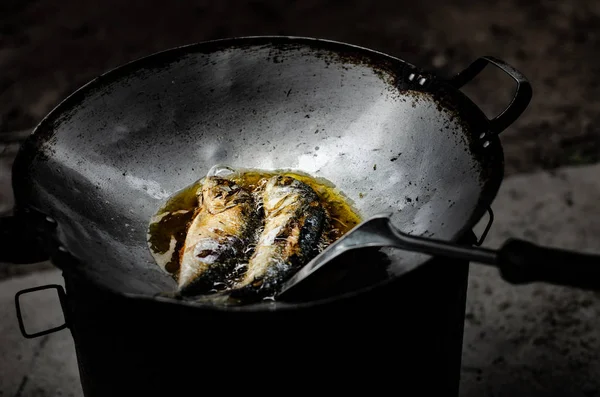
62	298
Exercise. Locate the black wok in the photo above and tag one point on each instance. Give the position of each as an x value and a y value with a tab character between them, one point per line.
388	135
392	137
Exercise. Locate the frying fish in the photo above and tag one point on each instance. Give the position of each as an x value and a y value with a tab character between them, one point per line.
294	223
224	226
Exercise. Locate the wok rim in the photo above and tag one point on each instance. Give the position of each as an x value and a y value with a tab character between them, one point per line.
29	150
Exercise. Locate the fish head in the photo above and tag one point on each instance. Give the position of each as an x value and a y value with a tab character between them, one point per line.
279	191
219	194
280	181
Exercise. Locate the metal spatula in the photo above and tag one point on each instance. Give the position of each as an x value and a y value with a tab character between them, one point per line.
519	261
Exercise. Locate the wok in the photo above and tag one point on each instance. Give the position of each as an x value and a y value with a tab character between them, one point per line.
391	137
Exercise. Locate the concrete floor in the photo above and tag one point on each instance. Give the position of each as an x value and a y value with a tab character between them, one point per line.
536	340
40	367
533	340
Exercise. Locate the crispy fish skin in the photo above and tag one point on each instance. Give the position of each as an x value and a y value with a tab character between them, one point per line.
294	223
224	225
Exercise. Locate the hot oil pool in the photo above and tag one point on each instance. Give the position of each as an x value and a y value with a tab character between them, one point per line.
168	229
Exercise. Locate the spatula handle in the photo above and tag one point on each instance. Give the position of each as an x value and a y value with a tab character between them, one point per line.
523	262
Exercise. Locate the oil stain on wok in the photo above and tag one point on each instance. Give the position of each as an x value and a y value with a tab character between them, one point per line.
236	235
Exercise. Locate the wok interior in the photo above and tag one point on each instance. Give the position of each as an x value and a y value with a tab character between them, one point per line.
114	151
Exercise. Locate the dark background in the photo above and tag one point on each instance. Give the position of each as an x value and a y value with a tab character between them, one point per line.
546	341
49	48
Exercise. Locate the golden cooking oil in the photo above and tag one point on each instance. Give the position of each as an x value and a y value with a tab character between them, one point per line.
167	229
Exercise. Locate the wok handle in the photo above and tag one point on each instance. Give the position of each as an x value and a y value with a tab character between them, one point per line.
520	100
62	296
523	262
18	243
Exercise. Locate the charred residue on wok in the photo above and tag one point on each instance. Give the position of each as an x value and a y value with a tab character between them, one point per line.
426	86
467	122
300	216
473	130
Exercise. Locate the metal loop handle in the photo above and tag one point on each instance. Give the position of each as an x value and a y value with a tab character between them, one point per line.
520	100
61	297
